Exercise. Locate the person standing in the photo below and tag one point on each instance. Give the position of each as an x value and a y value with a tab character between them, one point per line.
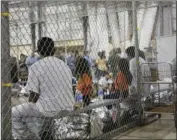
144	71
50	89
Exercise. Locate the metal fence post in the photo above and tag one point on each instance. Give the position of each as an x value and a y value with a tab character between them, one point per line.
5	74
136	42
136	52
40	32
85	25
33	27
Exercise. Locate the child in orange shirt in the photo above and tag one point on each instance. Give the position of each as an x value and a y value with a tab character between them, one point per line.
123	79
84	85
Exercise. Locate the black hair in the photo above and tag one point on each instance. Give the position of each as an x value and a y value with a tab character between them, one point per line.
82	66
124	67
130	51
142	55
22	54
102	54
46	46
99	54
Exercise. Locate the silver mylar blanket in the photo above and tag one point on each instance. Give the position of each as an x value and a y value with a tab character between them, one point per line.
72	127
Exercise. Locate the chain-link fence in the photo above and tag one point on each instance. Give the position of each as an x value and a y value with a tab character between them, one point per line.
90	91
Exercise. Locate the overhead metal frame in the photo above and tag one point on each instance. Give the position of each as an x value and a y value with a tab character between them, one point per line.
24	4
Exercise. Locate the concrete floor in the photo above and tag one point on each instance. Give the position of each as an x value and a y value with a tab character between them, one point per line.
163	128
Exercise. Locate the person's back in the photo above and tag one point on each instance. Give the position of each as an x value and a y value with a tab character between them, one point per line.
50	90
144	74
55	81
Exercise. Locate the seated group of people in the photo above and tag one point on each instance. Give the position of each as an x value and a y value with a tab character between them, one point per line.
50	86
120	86
111	87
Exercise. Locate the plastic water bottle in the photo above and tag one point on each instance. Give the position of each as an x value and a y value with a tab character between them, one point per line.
79	100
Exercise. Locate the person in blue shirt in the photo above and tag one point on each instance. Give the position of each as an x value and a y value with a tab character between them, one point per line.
30	60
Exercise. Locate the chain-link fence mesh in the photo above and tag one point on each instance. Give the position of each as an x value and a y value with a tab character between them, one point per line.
93	71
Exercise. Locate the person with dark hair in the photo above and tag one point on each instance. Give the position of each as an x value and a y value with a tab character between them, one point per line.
142	55
121	83
84	85
22	59
104	54
123	79
46	80
113	62
130	51
101	64
144	71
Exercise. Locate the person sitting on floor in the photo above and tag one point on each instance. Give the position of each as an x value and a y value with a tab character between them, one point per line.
104	83
122	81
84	84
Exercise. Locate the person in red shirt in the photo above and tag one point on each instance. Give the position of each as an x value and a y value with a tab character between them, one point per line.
84	84
123	79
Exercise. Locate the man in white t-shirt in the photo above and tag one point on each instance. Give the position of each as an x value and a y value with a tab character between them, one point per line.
144	71
50	87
